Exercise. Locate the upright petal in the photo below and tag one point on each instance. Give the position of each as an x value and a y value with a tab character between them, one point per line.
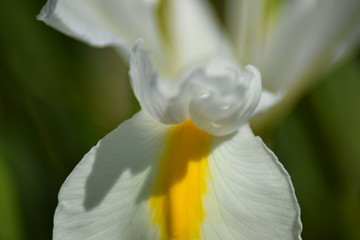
308	35
104	22
247	25
192	31
293	42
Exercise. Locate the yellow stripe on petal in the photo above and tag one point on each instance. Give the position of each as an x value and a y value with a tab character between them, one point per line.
176	200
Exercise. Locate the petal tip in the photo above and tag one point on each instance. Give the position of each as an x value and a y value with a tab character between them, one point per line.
137	44
47	10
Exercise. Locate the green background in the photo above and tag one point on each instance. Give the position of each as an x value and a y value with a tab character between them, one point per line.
58	97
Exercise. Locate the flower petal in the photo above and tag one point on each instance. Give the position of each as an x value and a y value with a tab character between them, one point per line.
267	100
193	32
148	181
228	101
104	196
104	22
308	36
250	195
217	96
222	188
164	102
246	28
295	41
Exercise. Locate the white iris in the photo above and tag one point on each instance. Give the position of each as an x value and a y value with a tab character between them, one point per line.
196	77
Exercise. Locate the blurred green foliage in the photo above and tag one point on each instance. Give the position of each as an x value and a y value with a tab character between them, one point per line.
58	97
319	144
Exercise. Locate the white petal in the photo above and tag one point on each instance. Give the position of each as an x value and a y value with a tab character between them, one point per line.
268	100
228	101
308	36
292	43
193	31
105	196
243	191
349	43
103	22
246	27
250	195
165	103
217	96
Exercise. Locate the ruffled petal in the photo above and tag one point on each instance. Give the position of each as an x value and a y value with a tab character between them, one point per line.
227	101
105	197
217	96
250	194
161	99
104	22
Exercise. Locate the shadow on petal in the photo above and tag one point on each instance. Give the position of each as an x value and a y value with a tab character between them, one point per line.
121	158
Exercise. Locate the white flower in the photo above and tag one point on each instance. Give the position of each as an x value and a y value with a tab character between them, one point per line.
187	166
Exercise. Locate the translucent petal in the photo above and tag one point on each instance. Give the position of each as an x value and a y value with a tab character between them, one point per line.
105	195
294	41
250	194
104	22
308	35
267	100
245	21
193	32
